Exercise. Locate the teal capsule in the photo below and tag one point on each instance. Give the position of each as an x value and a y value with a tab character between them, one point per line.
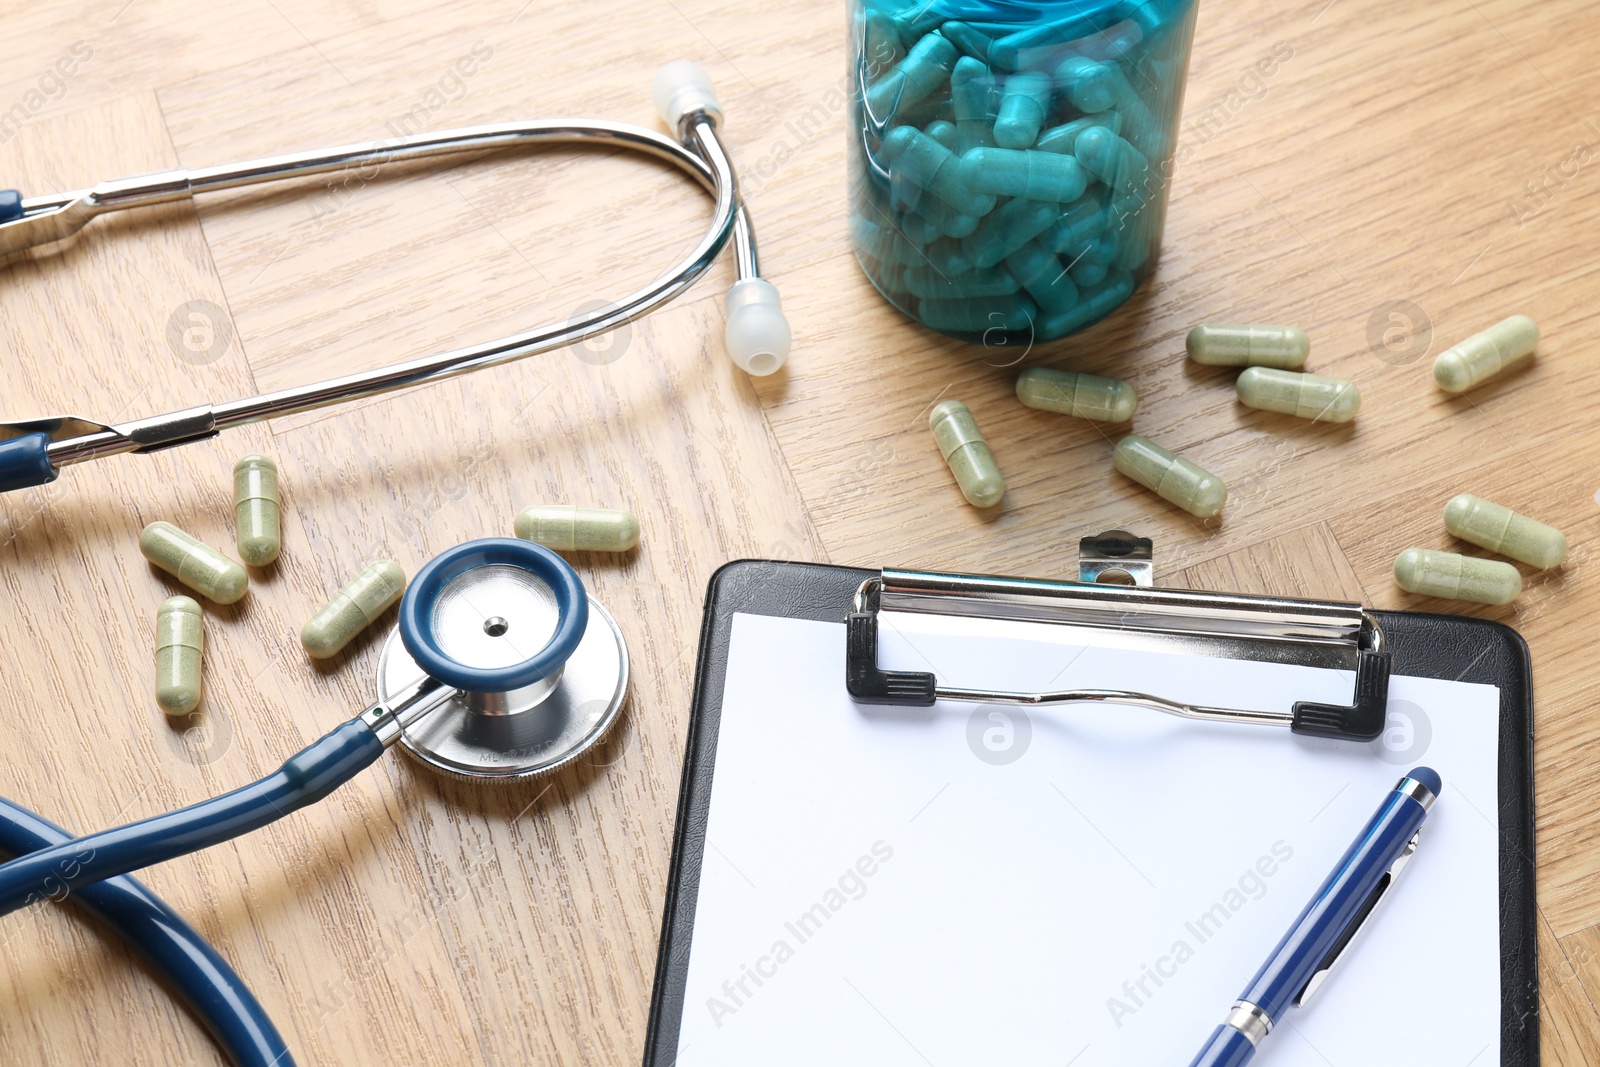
1086	272
929	284
918	229
180	645
943	131
1045	279
1094	303
945	219
1024	103
945	256
1089	85
194	563
1012	225
1456	577
1064	138
1305	396
255	510
972	99
966	453
1029	175
924	69
880	41
925	164
1013	314
1083	396
1080	223
1035	44
970	40
1499	529
1482	356
1171	477
1227	345
353	608
1113	161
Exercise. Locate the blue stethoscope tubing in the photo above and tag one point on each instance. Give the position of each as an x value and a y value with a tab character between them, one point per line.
51	862
213	991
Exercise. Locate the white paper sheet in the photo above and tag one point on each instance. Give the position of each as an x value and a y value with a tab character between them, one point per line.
1089	885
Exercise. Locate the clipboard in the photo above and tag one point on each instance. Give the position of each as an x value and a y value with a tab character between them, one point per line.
1371	643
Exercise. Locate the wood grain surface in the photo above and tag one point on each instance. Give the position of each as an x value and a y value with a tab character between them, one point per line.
1383	170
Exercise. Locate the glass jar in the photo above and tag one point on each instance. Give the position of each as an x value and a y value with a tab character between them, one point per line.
1010	158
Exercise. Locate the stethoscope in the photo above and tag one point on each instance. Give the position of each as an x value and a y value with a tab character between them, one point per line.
757	335
501	667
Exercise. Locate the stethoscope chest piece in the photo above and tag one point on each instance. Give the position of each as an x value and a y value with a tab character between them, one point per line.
540	670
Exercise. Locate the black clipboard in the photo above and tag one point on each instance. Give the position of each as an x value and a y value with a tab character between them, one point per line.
1446	647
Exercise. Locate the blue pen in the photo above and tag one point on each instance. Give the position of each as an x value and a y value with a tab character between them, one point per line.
1326	927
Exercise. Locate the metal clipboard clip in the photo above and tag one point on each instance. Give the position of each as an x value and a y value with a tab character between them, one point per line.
1313	632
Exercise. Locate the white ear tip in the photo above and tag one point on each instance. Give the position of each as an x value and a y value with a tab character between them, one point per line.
758	335
681	87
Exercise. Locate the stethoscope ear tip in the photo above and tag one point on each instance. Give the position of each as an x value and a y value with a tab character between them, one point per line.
681	88
757	334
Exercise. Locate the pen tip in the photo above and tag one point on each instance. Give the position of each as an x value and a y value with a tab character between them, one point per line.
1428	777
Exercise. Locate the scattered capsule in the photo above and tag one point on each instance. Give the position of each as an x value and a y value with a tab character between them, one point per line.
573	529
1086	396
926	165
967	453
1457	577
180	641
353	608
1030	175
1305	396
255	510
1499	529
922	71
1172	477
194	563
1024	103
1283	347
1484	355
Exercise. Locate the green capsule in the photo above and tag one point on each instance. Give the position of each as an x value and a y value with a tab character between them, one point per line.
353	608
1011	225
946	257
1036	43
1007	314
1085	396
918	229
1305	396
1044	277
255	510
1082	222
918	163
923	70
974	42
566	528
943	131
1089	84
880	38
1172	477
1482	356
945	219
1457	577
1030	175
180	642
1499	529
967	453
195	564
1024	103
1283	347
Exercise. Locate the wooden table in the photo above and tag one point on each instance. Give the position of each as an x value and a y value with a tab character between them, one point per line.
409	920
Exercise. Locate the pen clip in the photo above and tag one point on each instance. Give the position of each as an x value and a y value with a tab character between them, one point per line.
1359	922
